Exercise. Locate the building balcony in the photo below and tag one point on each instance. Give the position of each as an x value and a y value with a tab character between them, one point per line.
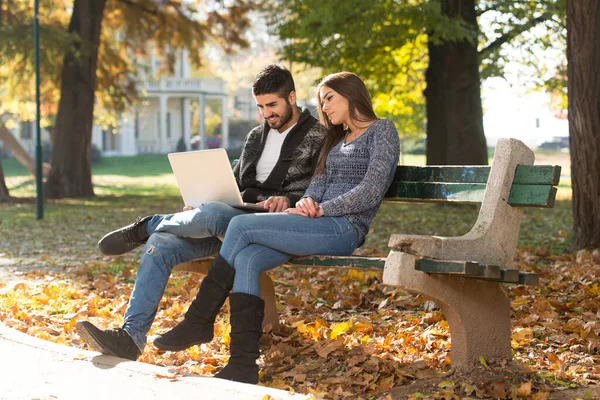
183	86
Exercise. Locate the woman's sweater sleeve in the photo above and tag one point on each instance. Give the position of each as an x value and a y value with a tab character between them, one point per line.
317	186
369	193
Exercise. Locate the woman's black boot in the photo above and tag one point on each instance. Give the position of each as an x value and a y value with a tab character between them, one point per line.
247	313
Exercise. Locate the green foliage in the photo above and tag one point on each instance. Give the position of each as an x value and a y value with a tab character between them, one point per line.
128	28
414	146
536	32
180	145
385	42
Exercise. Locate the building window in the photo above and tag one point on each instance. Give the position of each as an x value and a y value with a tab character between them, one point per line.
136	125
537	122
168	124
168	128
26	130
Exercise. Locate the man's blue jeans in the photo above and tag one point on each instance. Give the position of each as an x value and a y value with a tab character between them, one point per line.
256	243
174	239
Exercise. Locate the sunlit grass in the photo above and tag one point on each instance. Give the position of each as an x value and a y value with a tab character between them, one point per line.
121	196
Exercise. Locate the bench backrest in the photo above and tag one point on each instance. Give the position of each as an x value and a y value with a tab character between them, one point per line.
533	185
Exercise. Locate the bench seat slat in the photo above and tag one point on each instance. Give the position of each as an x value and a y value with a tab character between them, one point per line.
520	195
469	269
339	261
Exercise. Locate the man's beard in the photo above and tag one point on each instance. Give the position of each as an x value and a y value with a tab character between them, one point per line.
284	118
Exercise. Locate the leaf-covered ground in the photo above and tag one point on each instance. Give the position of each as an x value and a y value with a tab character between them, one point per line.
342	334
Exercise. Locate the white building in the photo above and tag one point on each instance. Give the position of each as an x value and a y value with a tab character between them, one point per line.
163	115
520	114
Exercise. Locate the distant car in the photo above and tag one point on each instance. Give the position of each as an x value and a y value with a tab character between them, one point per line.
557	143
212	142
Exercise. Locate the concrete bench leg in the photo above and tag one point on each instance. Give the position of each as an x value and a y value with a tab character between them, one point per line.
478	311
267	290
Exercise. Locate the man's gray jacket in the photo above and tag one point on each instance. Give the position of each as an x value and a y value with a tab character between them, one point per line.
294	168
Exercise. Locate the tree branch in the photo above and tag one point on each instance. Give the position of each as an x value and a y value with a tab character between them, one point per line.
140	7
510	35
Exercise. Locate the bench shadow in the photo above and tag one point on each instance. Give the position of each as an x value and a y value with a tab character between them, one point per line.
103	361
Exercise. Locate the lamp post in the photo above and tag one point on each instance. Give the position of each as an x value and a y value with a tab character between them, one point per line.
39	200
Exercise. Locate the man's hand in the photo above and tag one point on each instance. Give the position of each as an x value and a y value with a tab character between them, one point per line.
276	203
188	208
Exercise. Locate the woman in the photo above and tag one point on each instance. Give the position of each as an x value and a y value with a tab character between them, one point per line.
356	167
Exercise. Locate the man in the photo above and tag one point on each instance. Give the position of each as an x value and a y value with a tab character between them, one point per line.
274	169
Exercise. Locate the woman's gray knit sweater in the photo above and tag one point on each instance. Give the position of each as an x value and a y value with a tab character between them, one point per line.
357	176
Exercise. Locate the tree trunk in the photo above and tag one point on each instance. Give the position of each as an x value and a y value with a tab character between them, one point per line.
70	172
454	113
583	54
19	152
4	195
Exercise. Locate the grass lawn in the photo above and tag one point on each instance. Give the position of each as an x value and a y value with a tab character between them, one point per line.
126	187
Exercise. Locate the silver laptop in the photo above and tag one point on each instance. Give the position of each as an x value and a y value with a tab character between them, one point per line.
206	175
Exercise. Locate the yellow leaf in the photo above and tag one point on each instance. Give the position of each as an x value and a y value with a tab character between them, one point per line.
300	326
469	389
446	384
42	298
482	361
540	396
356	274
340	328
522	334
524	389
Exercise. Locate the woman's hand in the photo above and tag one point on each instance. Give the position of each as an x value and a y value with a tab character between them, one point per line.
306	207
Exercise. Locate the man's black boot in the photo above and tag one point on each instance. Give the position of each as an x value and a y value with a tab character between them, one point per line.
125	239
197	326
114	342
247	313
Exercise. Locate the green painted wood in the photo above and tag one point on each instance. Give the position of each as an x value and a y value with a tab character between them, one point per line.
524	174
509	275
443	192
337	261
520	195
491	272
528	278
469	269
537	175
448	267
441	174
532	196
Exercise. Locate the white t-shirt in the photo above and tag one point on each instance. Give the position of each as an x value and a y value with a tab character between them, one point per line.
270	154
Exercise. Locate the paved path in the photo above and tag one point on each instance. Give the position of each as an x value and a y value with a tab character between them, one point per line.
32	368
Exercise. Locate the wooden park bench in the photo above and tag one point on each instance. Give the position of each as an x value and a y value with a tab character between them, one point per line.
463	275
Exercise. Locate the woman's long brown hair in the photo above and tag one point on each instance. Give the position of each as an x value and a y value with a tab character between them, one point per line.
353	89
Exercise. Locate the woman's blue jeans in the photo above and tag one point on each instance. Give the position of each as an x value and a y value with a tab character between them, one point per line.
256	243
174	239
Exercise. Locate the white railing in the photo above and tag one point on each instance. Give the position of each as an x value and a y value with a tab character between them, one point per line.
184	85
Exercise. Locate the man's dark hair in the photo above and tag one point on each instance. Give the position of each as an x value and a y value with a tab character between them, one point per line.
274	79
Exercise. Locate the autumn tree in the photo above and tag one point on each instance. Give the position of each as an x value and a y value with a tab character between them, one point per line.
100	43
70	173
388	43
454	113
4	194
130	25
583	53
